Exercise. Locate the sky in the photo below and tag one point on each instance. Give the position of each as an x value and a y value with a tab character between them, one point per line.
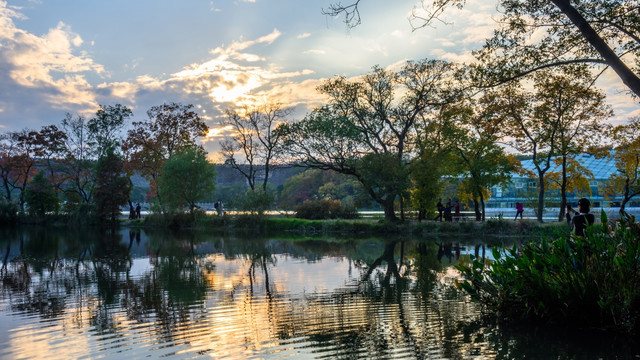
69	56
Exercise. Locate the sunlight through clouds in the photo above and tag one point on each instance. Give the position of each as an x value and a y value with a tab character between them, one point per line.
233	75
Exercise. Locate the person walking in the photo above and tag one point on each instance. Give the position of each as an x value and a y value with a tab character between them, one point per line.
519	211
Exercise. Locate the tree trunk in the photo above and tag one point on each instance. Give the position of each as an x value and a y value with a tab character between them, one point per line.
540	198
476	208
623	204
563	190
389	211
482	204
627	76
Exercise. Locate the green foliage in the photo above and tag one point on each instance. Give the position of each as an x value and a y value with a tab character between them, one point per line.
590	282
175	220
112	187
8	212
325	209
187	177
41	196
315	184
257	201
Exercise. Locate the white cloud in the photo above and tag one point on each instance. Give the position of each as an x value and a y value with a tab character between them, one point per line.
397	34
304	35
49	62
213	8
314	52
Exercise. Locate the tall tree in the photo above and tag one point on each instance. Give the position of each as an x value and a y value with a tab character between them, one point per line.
626	181
112	185
603	33
187	178
104	129
578	110
480	159
369	123
432	163
79	169
50	145
255	139
533	132
169	129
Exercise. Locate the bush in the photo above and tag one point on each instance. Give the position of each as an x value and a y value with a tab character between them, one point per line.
8	212
257	201
590	282
325	209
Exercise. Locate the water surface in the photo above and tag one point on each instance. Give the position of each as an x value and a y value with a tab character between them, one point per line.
133	294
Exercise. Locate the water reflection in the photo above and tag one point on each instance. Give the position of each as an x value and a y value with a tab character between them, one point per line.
146	294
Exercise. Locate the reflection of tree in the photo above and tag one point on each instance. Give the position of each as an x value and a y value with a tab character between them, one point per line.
223	294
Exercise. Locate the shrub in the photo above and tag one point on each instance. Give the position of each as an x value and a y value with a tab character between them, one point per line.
8	211
325	209
592	281
257	201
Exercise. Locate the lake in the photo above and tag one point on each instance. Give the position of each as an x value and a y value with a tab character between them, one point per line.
84	294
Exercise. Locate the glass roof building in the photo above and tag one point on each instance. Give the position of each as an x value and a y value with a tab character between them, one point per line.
525	189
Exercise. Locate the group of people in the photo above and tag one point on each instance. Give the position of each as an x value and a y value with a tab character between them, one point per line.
134	213
444	212
578	222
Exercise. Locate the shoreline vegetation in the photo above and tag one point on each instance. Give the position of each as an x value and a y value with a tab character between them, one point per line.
268	224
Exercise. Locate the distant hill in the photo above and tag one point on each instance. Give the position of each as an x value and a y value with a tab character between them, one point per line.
227	176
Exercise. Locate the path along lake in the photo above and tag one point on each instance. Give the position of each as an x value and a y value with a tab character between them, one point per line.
192	295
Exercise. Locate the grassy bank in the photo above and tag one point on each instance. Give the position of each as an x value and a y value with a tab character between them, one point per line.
274	224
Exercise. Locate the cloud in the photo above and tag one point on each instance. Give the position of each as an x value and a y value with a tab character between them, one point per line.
304	35
314	52
43	71
213	8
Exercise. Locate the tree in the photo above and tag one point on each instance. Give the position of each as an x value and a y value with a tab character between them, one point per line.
578	109
533	131
479	158
314	184
18	161
50	145
369	124
187	177
603	33
79	169
105	127
170	128
254	137
431	166
41	196
627	159
112	186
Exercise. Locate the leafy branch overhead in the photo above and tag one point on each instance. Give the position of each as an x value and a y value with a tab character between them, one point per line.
599	33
